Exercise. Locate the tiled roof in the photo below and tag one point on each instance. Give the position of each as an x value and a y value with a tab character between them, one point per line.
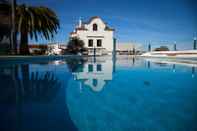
109	29
37	46
81	28
72	33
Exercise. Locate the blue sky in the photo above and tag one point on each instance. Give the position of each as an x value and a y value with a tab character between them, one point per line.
160	22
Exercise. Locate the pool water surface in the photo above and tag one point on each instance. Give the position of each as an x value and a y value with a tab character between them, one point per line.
98	94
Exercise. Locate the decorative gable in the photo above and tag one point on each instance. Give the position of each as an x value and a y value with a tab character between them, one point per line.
96	34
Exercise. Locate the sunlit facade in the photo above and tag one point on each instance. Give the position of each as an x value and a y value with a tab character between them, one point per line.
96	34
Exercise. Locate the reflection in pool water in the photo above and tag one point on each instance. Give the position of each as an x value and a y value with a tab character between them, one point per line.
32	97
89	94
95	74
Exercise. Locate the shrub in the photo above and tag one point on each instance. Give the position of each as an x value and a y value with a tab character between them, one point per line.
75	46
162	48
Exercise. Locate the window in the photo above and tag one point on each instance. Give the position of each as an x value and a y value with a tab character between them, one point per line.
90	68
95	27
80	68
90	43
95	82
99	67
99	43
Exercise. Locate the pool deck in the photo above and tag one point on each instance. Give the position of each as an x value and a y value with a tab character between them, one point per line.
183	54
10	57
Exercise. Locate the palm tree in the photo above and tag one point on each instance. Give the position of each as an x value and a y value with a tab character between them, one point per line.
33	21
7	23
5	19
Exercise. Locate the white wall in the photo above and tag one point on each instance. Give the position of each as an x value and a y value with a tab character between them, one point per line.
101	33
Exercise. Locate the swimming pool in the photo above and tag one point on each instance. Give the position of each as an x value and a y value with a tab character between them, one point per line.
94	94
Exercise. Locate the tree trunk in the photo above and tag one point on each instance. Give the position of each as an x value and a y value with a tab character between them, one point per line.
13	28
24	48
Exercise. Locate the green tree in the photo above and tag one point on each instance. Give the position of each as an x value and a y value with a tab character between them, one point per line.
33	21
75	46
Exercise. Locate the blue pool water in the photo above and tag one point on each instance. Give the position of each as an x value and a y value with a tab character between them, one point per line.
101	94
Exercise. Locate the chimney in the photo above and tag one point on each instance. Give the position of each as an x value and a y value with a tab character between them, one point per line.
80	23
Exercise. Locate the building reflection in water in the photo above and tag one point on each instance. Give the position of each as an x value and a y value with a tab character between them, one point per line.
94	73
174	64
174	67
193	72
148	64
133	60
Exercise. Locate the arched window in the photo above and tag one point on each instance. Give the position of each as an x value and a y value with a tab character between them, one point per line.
95	27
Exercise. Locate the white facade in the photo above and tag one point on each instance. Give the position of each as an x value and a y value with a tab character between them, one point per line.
96	36
55	49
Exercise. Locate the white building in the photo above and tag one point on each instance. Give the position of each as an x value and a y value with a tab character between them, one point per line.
96	34
55	48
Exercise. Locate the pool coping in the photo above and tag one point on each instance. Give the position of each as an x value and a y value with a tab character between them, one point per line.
43	58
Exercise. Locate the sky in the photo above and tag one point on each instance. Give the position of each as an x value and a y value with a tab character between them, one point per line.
160	22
